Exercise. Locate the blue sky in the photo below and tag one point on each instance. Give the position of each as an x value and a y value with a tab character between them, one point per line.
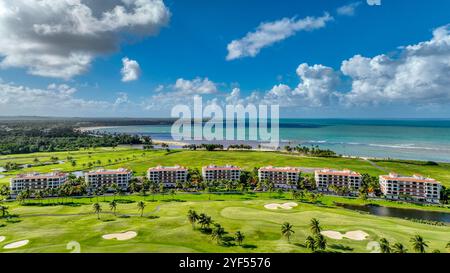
191	43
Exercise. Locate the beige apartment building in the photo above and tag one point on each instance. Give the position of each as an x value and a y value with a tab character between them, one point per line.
414	187
37	181
345	178
216	173
169	176
106	178
282	177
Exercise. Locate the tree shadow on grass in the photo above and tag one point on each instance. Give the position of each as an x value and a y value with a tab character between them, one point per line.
13	220
172	152
341	247
67	204
174	200
300	245
249	246
228	241
206	230
124	201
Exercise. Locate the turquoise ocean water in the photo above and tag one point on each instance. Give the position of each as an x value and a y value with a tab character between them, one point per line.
401	139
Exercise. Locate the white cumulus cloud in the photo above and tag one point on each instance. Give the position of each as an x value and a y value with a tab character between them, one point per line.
196	86
419	75
60	38
269	33
181	92
348	10
131	70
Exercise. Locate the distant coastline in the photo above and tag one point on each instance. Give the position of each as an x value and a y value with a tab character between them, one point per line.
422	140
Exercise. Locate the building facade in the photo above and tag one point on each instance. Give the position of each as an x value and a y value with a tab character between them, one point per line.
326	178
107	178
218	173
169	176
284	177
416	187
37	181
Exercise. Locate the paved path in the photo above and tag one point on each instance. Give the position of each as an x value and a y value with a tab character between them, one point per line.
375	165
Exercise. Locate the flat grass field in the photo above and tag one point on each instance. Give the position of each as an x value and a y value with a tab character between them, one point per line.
165	227
139	161
50	226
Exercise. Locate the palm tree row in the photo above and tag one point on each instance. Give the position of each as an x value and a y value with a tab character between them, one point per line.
419	245
97	208
217	232
315	242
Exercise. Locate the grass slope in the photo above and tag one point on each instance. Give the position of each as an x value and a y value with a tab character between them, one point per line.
172	232
139	161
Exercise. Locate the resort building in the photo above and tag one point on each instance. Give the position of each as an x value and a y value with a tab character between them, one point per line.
285	177
169	176
217	173
36	181
107	178
414	187
326	178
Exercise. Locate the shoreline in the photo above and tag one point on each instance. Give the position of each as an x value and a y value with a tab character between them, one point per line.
173	144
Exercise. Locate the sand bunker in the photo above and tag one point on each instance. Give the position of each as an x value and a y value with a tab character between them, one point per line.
120	236
357	235
272	206
289	205
16	244
275	206
2	238
333	234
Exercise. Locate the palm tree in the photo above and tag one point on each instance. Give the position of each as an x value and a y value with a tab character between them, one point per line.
286	230
217	233
4	211
141	207
321	242
97	209
270	187
239	237
116	189
38	195
193	217
399	248
161	189
113	206
314	226
172	193
208	189
204	220
310	243
153	190
385	246
419	244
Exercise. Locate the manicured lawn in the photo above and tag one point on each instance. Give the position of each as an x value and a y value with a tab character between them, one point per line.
139	161
172	232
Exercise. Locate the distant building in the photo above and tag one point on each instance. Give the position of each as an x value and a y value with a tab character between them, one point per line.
346	178
414	187
169	176
217	173
284	177
106	178
37	181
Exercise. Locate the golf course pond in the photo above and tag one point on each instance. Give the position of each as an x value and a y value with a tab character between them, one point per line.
434	216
